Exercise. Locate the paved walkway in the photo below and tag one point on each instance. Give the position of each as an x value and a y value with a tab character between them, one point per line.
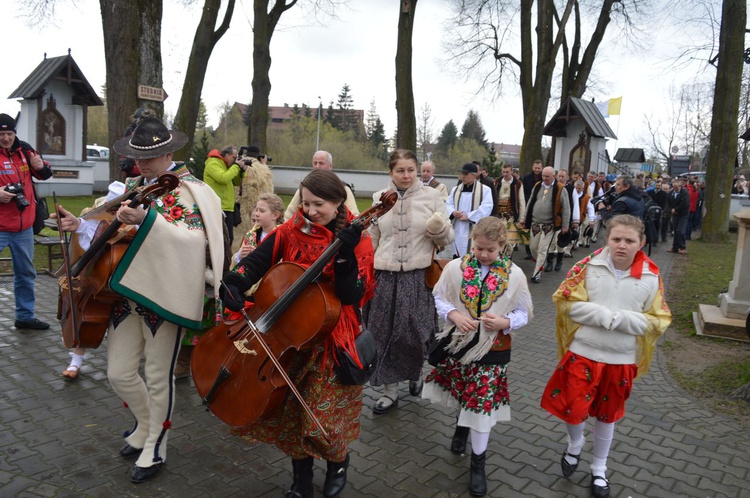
61	438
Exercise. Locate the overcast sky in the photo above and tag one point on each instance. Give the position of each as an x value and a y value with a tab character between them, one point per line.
358	48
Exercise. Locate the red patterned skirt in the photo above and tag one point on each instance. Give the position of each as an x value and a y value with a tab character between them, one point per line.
336	406
580	387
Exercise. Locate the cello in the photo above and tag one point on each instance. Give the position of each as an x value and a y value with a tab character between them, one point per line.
85	300
238	367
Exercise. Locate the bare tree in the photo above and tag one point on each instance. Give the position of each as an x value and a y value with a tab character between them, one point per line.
682	123
723	144
406	121
203	44
424	131
484	28
265	21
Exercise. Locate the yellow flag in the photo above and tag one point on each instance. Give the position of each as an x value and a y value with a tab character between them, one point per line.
614	106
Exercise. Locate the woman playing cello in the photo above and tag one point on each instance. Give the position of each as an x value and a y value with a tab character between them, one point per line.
321	217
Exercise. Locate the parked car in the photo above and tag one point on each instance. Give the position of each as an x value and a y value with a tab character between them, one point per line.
96	152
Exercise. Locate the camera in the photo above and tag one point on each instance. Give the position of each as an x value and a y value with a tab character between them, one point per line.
21	201
244	154
607	198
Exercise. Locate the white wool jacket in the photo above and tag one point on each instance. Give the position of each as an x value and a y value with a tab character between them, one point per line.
401	239
614	315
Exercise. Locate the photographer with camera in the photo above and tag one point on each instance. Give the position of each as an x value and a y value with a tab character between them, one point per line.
20	162
222	172
627	200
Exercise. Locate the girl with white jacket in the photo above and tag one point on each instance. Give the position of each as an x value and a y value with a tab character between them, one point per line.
610	311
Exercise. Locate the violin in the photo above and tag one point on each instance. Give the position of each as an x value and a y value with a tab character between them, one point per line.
239	367
85	301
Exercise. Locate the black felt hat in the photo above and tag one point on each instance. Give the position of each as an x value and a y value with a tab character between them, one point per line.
150	139
565	238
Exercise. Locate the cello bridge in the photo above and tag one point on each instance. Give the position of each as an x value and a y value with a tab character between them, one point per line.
240	345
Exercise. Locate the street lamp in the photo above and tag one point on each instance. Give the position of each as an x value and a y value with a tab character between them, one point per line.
320	108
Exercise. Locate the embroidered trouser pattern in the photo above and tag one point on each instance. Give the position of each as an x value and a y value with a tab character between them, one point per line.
541	239
130	337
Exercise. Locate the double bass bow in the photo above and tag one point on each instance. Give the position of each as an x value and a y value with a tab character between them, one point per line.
239	367
85	300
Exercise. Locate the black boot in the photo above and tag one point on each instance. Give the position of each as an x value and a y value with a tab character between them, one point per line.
477	479
558	265
548	267
302	487
335	478
458	445
528	253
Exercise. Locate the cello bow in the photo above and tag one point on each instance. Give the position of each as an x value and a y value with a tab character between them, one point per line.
259	336
64	241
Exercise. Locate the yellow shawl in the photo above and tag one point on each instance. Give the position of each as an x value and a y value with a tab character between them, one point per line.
573	289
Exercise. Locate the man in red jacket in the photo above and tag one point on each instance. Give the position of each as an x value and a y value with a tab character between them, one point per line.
18	163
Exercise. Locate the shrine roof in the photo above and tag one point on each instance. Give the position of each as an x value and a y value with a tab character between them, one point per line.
62	68
575	109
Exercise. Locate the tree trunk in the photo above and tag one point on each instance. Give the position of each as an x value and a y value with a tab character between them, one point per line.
580	71
203	45
741	393
132	53
264	24
723	143
406	121
535	90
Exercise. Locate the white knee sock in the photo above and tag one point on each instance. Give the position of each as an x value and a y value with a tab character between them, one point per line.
479	441
576	441
391	390
603	435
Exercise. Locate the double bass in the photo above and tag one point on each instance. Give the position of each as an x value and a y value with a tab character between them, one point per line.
85	300
238	367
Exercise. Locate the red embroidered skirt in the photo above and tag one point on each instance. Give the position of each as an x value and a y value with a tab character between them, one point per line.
580	388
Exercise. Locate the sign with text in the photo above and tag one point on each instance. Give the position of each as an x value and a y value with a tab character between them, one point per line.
65	173
151	93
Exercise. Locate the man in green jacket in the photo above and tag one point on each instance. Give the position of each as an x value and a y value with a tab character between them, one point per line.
222	172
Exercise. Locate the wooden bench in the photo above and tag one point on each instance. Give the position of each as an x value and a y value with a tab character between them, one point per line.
54	251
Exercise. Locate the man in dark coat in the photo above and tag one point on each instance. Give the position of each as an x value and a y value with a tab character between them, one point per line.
678	203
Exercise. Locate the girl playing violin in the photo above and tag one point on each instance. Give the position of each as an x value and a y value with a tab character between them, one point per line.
321	217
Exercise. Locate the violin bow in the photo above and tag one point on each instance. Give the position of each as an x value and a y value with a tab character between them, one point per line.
259	336
64	241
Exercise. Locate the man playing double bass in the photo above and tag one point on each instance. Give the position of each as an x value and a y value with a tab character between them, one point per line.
162	279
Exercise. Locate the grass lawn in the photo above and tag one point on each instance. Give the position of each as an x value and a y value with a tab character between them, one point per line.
709	369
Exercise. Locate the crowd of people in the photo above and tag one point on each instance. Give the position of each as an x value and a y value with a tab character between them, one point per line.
464	326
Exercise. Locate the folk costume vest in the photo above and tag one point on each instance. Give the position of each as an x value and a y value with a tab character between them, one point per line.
557	208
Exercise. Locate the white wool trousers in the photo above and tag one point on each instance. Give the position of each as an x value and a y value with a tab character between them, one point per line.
151	400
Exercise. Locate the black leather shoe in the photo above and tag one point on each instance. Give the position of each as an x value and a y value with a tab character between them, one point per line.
597	490
458	444
335	478
33	324
536	279
569	468
143	474
128	451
